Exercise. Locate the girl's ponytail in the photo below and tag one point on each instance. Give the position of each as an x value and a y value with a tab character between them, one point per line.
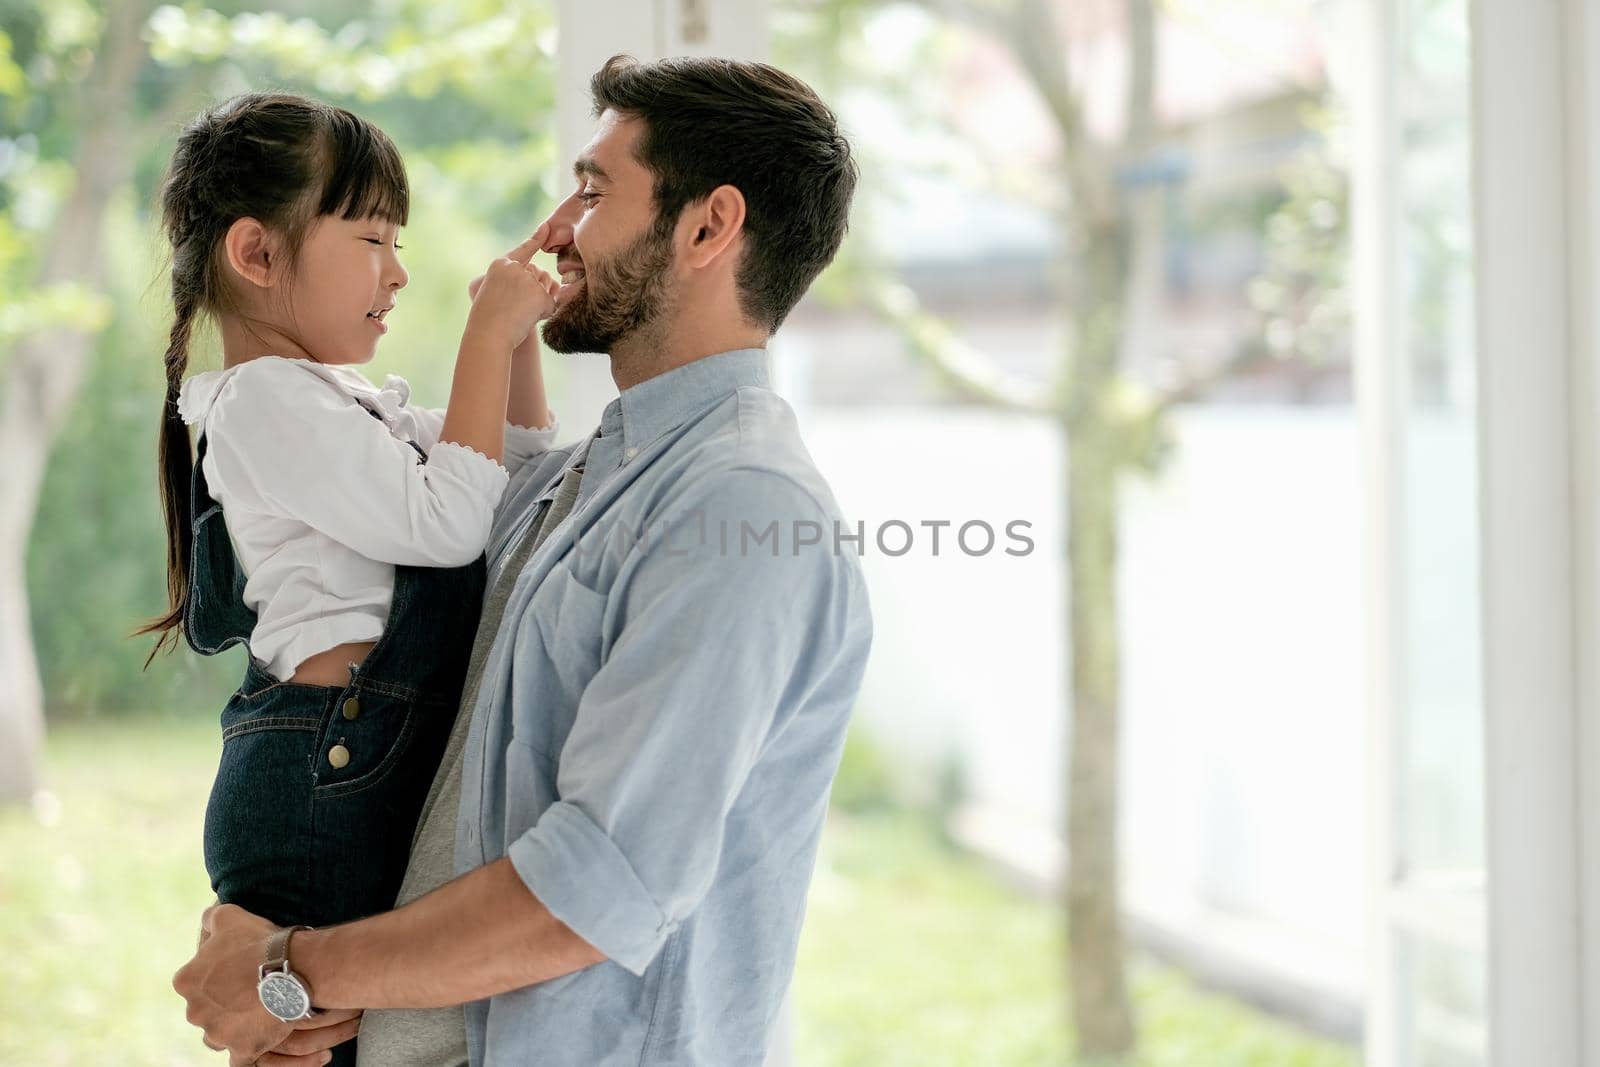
176	467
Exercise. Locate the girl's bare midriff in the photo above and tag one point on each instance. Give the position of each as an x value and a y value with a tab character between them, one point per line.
332	666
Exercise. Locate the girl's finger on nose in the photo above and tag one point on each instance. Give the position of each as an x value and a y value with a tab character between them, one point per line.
523	253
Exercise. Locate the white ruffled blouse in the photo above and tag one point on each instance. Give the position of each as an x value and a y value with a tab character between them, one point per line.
321	500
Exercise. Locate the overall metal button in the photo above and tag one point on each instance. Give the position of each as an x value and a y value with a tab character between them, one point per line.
339	756
352	707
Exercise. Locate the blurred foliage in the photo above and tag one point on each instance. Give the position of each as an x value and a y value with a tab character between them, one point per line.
870	781
465	88
95	925
864	783
97	558
1300	298
833	46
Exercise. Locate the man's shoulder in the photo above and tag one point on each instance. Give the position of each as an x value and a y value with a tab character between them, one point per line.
754	450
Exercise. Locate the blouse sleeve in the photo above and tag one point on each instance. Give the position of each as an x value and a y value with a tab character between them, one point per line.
290	444
522	443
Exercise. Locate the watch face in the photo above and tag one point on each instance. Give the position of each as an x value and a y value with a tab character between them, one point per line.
284	996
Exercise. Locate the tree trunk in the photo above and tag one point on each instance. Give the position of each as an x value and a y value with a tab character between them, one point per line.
41	378
21	698
1101	1012
1117	253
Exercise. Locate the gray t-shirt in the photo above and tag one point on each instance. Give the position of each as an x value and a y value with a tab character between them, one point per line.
437	1037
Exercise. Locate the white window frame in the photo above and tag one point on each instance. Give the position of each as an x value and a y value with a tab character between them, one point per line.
1582	67
1530	162
1536	158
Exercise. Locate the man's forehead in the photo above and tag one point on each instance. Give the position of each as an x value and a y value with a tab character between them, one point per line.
610	151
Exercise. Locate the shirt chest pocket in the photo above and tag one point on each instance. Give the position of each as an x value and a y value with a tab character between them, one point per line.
566	619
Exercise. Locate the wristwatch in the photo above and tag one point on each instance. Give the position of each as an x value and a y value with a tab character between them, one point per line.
283	993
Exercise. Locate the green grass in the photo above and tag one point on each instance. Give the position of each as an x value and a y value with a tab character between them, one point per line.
98	910
912	953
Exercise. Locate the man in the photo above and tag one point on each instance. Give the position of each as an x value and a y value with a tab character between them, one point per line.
673	638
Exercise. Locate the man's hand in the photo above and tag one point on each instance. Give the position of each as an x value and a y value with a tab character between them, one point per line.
219	984
308	1045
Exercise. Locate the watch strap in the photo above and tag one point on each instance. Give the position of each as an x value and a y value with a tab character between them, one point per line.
278	948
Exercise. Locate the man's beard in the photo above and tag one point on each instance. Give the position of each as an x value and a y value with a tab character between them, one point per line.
620	295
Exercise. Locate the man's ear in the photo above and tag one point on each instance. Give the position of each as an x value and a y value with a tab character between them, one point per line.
713	225
253	252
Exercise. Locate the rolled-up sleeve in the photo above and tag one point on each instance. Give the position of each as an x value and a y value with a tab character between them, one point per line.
718	639
295	447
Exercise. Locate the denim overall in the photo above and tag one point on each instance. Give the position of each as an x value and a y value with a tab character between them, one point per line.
320	786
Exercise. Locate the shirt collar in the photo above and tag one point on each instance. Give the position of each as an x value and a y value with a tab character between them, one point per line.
199	391
645	411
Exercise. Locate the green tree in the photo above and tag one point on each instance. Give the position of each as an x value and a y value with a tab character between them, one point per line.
74	143
92	95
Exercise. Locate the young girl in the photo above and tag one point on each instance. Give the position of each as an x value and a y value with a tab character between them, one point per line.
330	526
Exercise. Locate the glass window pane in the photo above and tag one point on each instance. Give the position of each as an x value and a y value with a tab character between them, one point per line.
1436	905
1443	990
1442	736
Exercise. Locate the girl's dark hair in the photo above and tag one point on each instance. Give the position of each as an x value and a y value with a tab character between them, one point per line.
710	122
284	161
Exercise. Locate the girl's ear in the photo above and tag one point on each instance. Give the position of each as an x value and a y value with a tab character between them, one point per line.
253	252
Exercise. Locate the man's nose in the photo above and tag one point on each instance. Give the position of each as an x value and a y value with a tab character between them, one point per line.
562	221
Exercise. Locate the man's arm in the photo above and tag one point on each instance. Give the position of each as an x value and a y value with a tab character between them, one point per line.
481	934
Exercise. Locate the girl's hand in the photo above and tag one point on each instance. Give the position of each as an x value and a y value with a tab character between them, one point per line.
477	283
513	298
536	239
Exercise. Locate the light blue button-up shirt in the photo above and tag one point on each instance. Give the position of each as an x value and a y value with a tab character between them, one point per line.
660	721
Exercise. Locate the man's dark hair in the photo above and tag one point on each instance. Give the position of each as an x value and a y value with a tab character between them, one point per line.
711	122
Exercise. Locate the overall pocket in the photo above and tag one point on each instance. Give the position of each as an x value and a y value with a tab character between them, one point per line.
362	739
